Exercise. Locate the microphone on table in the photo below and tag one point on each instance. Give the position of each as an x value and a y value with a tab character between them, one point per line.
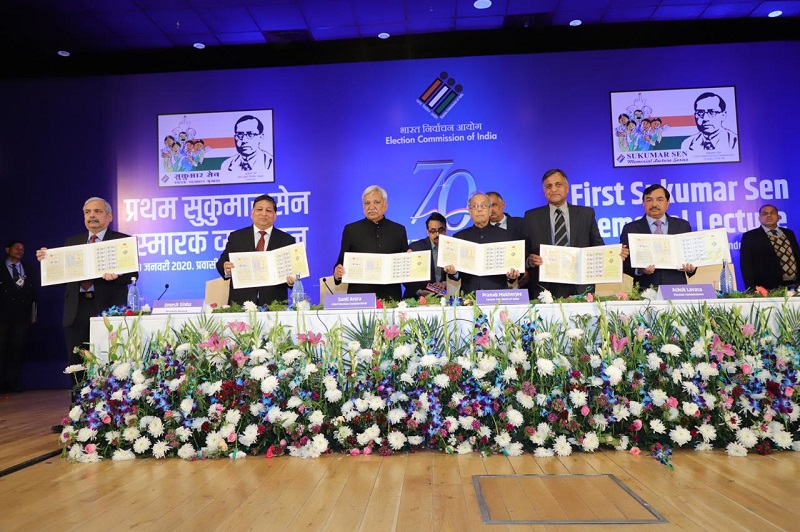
166	287
325	282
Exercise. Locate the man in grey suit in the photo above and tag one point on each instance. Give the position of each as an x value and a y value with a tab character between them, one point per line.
655	199
540	228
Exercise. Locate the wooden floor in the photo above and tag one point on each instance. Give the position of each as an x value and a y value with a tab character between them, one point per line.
422	491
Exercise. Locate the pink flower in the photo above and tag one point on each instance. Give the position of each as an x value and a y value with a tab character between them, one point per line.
423	301
788	391
590	297
720	349
746	369
231	437
622	296
504	316
672	402
641	333
91	448
482	340
618	344
624	318
762	291
584	410
214	343
367	450
390	331
239	358
310	337
378	304
354	452
238	327
106	419
637	425
747	330
635	451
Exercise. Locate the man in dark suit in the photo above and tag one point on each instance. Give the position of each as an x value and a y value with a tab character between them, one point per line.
85	299
769	254
435	225
261	236
515	225
18	284
540	228
482	232
655	199
373	234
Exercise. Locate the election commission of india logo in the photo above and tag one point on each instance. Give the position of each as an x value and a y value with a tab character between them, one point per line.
441	95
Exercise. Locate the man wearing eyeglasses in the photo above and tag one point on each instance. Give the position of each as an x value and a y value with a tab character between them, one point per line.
482	232
558	224
436	225
251	159
709	113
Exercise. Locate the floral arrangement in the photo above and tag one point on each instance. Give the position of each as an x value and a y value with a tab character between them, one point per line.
702	377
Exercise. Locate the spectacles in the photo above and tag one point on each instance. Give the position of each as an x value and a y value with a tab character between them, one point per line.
249	135
701	113
441	231
480	207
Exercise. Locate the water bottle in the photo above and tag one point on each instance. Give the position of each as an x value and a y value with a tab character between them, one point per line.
298	293
725	279
133	296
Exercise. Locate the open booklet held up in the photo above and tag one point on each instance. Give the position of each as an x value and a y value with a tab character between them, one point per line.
594	265
89	261
268	268
698	248
386	268
496	258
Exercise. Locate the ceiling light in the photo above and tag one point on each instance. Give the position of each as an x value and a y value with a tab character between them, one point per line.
383	35
63	53
482	4
575	22
199	45
774	14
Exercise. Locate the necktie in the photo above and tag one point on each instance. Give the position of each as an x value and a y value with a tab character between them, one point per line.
437	269
245	165
260	245
14	272
658	224
784	251
88	284
560	234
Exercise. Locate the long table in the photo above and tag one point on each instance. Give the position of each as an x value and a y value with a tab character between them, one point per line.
461	317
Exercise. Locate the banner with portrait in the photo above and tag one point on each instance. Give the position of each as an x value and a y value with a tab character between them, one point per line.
226	148
680	126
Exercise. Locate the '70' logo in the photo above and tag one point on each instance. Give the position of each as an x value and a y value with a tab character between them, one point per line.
443	183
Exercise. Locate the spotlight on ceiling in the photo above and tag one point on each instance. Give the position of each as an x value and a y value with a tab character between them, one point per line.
199	45
575	22
775	13
383	35
482	4
63	53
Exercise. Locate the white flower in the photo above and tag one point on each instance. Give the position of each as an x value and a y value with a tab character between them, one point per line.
131	433
562	447
708	432
513	449
590	442
122	371
543	452
250	435
156	427
614	375
635	408
465	447
160	449
545	297
517	356
427	361
746	437
187	405
680	436
187	452
782	439
75	413
577	398
333	395
502	439
397	440
121	455
74	368
441	380
703	446
258	356
85	434
736	449
249	306
653	361
545	367
364	355
659	397
657	426
542	337
650	294
690	409
515	417
525	400
415	440
290	356
670	349
141	445
510	374
574	334
294	402
269	384
620	412
395	415
403	351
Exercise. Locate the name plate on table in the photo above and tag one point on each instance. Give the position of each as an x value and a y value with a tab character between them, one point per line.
506	296
350	301
686	291
178	306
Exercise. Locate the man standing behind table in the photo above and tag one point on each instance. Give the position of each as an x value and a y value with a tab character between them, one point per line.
482	232
261	236
515	225
655	200
85	299
18	284
373	234
436	225
558	224
769	254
